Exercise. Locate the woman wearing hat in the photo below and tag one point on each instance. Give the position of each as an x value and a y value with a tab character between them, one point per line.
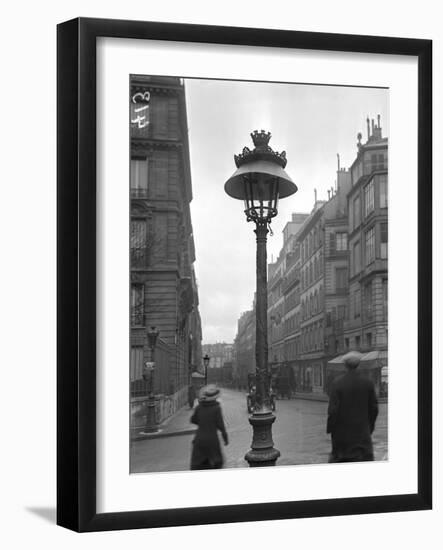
206	451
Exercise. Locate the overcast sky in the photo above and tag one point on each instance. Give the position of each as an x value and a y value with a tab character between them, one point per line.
311	123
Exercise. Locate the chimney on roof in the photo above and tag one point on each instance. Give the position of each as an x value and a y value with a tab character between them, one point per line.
338	162
367	125
377	132
329	194
315	195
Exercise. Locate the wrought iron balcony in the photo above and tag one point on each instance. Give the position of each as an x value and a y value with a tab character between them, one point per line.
137	316
290	280
139	257
139	193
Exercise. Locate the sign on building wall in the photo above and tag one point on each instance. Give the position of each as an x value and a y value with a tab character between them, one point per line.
140	113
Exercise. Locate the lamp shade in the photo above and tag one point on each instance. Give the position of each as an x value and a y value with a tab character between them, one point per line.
261	179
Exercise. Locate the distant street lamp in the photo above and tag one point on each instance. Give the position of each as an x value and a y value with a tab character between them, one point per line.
206	360
148	375
260	180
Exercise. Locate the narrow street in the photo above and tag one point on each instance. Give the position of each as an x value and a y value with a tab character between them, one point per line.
299	434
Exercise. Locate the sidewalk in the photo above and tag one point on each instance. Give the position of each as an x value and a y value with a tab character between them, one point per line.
178	424
324	397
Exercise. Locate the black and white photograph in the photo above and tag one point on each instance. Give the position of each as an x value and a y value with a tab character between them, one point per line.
258	262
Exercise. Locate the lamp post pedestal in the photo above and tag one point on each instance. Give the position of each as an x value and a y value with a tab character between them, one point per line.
151	424
262	451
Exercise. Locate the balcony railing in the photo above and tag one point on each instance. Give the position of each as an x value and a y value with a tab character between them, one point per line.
137	319
139	193
290	279
139	257
291	259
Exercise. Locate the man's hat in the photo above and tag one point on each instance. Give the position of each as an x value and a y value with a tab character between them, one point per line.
209	393
352	359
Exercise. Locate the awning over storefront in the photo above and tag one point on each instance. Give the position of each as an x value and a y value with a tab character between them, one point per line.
336	364
376	358
196	374
372	360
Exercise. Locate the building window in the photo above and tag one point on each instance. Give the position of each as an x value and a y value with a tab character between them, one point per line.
341	241
341	312
385	299
383	190
369	198
369	340
370	246
357	342
347	343
137	305
356	259
136	363
139	178
357	304
318	379
381	162
377	161
368	302
383	241
356	212
341	278
138	243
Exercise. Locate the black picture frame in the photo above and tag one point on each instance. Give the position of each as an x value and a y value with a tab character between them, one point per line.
76	293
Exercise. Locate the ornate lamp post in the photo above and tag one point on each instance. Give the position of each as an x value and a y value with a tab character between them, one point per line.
206	360
148	375
260	180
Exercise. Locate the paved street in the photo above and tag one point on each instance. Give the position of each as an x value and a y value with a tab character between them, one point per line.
299	434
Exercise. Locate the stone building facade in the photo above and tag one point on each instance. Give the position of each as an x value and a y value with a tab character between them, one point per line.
243	359
219	353
366	328
283	292
163	291
309	368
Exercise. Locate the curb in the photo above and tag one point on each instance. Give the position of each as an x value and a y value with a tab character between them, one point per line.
157	435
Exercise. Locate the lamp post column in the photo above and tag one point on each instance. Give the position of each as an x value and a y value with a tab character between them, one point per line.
151	423
262	451
206	360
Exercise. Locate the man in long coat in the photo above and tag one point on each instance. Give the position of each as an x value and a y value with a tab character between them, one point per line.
352	412
206	451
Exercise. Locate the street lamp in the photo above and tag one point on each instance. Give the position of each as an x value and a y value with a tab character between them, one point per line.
148	375
260	180
206	360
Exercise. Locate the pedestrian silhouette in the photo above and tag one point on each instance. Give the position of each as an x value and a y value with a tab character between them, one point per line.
352	412
191	396
206	452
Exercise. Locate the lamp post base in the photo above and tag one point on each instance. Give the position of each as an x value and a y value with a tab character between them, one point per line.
151	425
262	451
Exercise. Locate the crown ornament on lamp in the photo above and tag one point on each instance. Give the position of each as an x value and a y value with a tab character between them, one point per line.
262	151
